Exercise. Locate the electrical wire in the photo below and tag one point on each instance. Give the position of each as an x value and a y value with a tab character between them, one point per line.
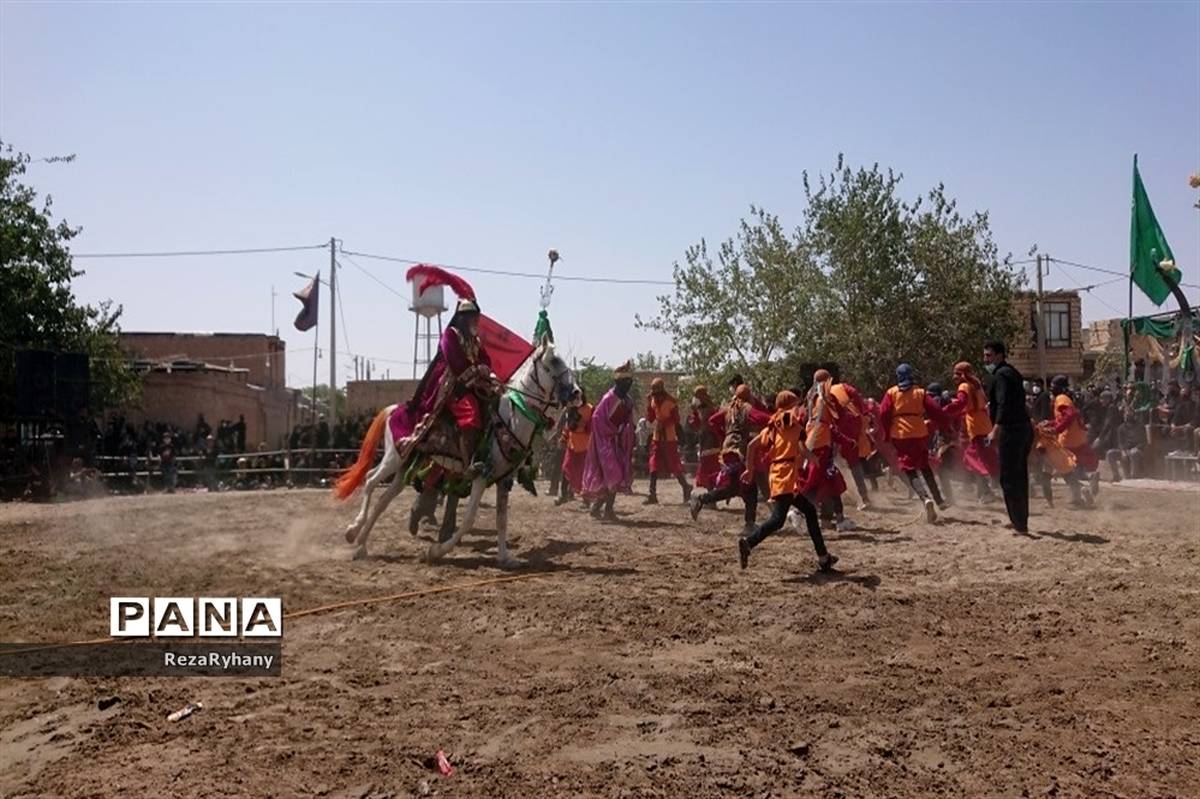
1088	289
1105	271
505	273
342	312
186	253
371	275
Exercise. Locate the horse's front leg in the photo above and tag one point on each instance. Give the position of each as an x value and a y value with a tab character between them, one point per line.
506	560
442	547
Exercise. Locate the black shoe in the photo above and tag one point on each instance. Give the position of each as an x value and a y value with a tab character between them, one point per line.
744	552
826	563
561	501
687	494
694	506
651	500
597	510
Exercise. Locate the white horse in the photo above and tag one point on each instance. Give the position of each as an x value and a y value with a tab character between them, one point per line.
542	383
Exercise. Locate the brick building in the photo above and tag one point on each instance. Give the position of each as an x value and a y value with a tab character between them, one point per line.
261	355
220	375
1064	335
369	396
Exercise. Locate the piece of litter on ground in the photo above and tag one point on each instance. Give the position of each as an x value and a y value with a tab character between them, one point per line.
185	711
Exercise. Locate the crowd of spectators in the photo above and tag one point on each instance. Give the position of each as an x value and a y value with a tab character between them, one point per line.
87	458
1135	428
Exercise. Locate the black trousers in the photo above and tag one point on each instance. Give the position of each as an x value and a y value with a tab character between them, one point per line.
1015	444
779	510
734	489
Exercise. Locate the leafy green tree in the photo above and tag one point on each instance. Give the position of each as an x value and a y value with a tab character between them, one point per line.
649	361
594	378
744	310
323	398
867	280
915	282
37	307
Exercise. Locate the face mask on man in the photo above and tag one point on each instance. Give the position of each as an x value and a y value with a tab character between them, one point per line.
991	367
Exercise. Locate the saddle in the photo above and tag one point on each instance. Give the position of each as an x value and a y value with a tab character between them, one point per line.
434	445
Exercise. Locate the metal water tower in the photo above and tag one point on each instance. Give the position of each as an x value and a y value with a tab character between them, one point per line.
425	306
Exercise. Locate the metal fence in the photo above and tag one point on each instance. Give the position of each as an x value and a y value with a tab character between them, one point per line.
285	467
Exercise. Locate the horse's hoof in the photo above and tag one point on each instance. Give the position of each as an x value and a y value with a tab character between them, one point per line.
510	563
432	554
352	534
359	554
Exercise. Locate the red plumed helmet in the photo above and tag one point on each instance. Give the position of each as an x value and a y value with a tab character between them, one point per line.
436	276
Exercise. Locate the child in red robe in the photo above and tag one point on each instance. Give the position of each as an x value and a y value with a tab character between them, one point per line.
700	420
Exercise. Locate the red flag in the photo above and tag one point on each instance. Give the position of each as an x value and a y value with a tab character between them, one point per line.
506	349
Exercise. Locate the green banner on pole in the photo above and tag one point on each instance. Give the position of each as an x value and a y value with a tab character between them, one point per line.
1148	246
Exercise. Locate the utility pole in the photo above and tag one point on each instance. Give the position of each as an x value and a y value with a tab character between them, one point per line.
332	331
274	330
1040	326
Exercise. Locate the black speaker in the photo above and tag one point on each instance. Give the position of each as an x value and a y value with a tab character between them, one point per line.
52	384
35	382
72	376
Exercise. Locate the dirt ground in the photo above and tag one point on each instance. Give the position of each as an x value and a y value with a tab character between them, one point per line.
956	659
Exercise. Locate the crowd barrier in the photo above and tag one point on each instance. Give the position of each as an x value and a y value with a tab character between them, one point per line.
115	468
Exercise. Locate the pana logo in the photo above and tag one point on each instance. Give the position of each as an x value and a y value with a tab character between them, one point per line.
188	617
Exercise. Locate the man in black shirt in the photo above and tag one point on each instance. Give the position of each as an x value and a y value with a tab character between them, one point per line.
1012	432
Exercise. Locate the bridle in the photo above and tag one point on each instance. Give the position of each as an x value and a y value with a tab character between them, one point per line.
546	399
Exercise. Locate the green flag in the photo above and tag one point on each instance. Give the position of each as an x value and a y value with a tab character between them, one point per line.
1147	245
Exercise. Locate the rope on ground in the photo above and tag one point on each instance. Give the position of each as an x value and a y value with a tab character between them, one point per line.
377	600
442	589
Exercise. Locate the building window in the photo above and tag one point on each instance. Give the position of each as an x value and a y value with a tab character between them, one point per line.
1058	324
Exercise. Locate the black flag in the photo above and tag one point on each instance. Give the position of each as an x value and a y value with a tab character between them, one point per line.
307	318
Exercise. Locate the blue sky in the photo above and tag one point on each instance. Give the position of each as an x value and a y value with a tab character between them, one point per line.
482	135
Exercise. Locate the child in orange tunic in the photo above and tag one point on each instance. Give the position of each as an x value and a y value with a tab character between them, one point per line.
854	445
821	481
780	441
576	435
978	459
1072	435
902	415
662	411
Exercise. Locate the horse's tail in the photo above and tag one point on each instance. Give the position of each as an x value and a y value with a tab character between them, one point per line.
353	477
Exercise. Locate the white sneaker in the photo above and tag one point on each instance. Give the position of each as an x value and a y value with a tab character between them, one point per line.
930	511
845	526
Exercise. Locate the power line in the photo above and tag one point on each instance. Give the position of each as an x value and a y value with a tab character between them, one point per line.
371	275
1105	271
1088	289
178	253
342	311
505	273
